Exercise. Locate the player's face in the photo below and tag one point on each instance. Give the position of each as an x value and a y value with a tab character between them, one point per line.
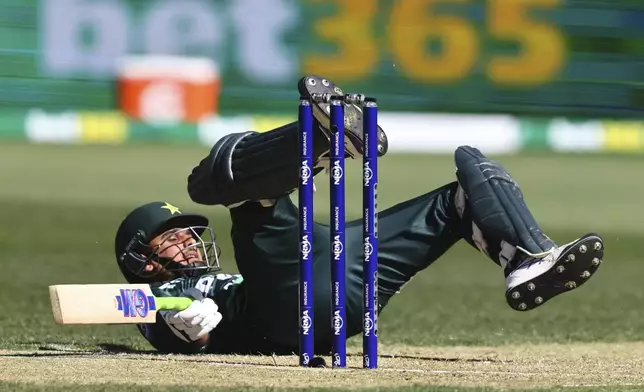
178	245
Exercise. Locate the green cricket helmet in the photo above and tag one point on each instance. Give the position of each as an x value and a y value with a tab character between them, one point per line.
134	253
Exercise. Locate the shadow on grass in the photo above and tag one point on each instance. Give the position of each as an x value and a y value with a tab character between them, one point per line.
65	349
439	359
108	349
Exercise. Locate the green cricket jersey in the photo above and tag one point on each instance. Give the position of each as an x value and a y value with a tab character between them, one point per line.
260	311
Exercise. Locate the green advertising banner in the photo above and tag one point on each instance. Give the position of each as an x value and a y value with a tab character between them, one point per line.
552	57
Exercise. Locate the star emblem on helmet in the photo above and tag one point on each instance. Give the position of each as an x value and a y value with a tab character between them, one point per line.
173	210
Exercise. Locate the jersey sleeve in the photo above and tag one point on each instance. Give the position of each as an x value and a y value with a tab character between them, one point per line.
224	289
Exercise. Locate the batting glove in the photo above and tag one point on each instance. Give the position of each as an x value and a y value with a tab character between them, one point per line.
194	322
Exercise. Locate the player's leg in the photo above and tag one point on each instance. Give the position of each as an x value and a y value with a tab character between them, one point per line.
486	208
411	236
255	166
491	206
251	166
314	84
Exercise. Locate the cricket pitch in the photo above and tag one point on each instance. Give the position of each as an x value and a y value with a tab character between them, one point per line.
569	365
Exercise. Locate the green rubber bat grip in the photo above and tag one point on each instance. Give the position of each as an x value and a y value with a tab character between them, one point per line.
173	303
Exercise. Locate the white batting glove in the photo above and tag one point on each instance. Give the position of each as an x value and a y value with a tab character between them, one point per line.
193	323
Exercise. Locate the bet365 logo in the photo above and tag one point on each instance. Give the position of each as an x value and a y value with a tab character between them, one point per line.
134	303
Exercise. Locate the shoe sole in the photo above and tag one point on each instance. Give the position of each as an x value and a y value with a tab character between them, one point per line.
572	269
313	84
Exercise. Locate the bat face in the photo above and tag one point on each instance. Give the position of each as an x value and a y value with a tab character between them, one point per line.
103	304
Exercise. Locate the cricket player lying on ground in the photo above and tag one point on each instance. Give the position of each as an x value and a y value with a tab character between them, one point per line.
256	311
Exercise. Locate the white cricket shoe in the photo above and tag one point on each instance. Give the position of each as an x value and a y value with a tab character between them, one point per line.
537	279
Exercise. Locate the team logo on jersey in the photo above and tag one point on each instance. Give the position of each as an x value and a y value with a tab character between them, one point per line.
134	303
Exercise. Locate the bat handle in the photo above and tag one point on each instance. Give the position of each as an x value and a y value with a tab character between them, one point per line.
173	303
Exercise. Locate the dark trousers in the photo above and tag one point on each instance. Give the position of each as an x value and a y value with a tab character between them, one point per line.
412	235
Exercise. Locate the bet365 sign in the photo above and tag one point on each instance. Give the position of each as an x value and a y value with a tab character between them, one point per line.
274	41
367	33
88	37
490	55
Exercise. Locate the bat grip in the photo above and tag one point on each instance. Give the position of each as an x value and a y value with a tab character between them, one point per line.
173	303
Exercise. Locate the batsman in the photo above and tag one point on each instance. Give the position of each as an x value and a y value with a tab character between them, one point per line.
256	311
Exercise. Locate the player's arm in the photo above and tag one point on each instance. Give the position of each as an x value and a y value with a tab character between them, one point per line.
189	331
186	331
250	166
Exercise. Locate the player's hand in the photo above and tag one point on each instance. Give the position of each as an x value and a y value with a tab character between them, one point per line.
195	322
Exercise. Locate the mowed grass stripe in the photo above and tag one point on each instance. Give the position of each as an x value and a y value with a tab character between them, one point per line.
564	191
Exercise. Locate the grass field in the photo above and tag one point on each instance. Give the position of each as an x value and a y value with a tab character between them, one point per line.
449	328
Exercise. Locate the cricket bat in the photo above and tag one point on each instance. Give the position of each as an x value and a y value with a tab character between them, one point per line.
109	303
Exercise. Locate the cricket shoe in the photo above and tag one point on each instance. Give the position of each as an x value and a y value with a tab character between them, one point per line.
353	132
562	269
